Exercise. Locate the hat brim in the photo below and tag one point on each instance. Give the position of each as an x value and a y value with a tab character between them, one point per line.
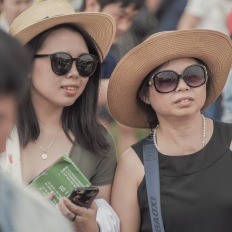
99	26
213	48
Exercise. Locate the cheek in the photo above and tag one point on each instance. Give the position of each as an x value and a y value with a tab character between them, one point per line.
201	95
43	77
163	104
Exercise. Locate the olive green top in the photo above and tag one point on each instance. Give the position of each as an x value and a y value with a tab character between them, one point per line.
99	170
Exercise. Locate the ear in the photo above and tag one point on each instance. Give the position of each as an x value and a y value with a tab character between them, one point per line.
145	99
92	6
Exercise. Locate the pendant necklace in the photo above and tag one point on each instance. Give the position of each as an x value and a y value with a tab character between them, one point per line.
203	133
44	155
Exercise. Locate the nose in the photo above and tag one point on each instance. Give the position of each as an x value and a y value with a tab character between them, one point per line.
73	73
182	86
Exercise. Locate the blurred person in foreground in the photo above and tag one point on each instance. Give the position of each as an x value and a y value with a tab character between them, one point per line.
19	210
10	9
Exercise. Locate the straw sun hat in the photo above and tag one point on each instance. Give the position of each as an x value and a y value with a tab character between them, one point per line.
213	48
47	14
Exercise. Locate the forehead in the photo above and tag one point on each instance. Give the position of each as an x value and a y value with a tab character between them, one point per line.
177	65
118	7
64	40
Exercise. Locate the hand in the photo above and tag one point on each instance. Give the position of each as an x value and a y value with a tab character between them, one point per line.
84	219
50	196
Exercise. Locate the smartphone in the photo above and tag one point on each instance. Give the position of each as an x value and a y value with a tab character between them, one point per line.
83	196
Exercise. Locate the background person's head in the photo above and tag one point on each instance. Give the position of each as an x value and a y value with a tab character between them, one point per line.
12	8
14	66
123	12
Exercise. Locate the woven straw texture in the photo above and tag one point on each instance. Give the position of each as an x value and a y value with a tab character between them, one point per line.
47	14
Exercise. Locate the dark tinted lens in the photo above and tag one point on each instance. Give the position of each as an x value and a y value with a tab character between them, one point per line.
61	63
86	64
194	76
165	81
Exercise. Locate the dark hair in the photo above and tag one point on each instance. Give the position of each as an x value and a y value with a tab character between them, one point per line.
124	3
79	118
14	66
142	94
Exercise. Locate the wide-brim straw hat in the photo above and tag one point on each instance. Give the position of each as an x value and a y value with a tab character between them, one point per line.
211	47
47	14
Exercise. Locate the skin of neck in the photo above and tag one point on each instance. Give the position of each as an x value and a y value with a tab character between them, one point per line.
185	132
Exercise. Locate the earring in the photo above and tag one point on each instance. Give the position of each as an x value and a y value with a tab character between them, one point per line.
147	100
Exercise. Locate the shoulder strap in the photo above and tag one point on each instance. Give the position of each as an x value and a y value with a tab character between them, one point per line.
151	164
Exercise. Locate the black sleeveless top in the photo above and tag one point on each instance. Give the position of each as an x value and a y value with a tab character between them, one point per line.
196	189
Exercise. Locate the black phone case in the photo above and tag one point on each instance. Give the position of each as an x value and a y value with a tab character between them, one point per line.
84	196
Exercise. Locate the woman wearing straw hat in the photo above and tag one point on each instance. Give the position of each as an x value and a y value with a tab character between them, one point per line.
59	114
163	84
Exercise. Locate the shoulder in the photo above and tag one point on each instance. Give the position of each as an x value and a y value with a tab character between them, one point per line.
128	162
79	149
223	127
138	147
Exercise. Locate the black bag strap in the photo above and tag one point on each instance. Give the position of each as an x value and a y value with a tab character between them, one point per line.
151	164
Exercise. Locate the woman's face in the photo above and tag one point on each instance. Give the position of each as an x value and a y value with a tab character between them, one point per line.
46	85
182	101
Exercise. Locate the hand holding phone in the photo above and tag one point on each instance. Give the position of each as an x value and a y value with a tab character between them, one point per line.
83	196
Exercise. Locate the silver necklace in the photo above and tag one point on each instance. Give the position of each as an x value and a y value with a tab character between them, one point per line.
203	133
44	155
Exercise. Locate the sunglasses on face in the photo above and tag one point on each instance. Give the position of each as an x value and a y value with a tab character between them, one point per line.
166	81
61	63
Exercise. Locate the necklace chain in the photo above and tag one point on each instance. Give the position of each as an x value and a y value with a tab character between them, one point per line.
44	155
203	133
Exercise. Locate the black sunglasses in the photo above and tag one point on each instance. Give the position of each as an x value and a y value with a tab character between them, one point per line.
61	63
166	81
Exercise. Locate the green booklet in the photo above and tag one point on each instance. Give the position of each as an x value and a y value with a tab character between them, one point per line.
61	178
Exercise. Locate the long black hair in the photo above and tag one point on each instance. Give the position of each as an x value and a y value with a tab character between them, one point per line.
142	94
79	118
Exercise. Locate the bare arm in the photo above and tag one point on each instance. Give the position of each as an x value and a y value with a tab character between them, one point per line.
104	192
129	174
188	21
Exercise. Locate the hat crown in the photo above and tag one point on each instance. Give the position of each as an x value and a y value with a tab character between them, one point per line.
39	12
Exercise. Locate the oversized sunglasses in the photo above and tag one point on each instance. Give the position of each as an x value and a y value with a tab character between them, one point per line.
166	81
61	63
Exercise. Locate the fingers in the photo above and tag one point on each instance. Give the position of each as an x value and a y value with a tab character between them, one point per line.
50	196
83	219
74	208
66	211
93	206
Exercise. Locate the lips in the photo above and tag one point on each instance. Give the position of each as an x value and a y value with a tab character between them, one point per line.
184	100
